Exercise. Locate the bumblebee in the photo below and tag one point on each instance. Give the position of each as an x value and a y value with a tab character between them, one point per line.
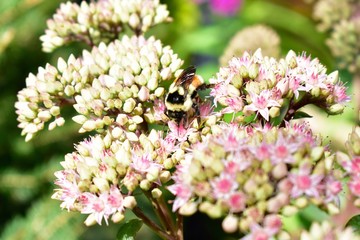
182	95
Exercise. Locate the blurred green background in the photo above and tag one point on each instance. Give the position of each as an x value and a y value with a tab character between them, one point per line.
199	37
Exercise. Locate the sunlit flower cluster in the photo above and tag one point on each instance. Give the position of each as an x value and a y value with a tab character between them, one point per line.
107	86
341	20
326	230
250	39
250	174
106	169
101	21
264	86
100	177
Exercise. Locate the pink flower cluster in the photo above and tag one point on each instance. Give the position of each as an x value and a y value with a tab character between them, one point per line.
252	172
261	85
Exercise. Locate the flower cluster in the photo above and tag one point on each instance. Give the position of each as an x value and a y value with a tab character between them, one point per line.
113	84
101	21
326	230
351	164
251	38
106	169
250	174
341	19
99	178
266	87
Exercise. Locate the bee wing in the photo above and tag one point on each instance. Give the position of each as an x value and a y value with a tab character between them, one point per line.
186	77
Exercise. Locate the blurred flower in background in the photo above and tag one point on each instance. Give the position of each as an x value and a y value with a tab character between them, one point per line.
250	39
222	7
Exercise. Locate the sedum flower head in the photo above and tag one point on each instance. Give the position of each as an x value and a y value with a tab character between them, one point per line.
330	12
326	230
261	86
255	173
111	86
341	20
250	39
100	176
101	21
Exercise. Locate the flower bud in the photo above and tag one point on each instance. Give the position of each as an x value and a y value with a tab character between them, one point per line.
188	209
336	109
90	220
117	217
129	202
156	193
230	223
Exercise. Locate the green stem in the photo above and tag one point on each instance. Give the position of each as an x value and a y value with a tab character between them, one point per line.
160	232
162	213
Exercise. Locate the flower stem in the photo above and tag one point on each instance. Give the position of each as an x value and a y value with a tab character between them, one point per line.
160	232
175	229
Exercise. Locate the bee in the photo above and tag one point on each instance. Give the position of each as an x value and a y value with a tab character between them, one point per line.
182	97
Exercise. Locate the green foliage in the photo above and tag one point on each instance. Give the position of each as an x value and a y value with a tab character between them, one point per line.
129	229
45	221
355	223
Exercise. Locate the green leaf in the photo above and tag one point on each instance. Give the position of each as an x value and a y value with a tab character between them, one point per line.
300	114
128	230
354	222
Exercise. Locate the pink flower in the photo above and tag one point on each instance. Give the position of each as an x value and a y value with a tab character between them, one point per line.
257	233
182	192
352	166
354	185
332	189
92	204
115	200
225	7
283	150
223	185
234	104
236	202
305	183
143	164
69	191
159	109
339	93
261	103
261	152
178	132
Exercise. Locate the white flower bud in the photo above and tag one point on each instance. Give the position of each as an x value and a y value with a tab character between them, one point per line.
117	217
134	21
188	209
165	73
333	77
129	105
61	65
152	83
156	193
90	220
44	115
143	94
230	224
89	125
129	202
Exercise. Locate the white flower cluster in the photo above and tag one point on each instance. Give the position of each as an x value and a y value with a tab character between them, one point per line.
101	21
108	85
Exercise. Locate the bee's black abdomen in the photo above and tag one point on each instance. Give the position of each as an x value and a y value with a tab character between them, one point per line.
176	115
175	98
